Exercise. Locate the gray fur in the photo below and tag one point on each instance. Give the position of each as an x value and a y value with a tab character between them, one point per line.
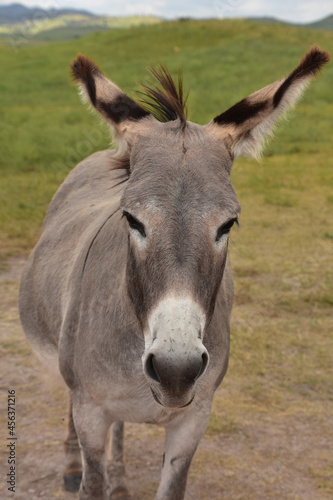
99	300
85	321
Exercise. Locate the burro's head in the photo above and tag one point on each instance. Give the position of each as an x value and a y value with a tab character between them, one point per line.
179	207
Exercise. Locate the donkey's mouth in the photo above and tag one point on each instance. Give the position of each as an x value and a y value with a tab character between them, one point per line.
157	399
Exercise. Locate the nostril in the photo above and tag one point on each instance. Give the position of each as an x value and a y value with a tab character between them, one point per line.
204	363
151	369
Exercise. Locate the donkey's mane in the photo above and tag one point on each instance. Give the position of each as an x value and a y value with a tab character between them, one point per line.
168	102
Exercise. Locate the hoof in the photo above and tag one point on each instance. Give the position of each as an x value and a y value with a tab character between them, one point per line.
72	481
120	493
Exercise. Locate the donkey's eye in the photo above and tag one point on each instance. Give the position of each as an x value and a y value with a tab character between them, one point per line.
224	229
135	224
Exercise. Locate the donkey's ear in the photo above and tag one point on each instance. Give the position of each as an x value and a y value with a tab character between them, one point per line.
124	115
250	121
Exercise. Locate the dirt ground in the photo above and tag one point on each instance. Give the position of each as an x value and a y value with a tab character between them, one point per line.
256	457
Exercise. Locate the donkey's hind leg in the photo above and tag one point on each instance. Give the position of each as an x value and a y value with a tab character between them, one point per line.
116	468
73	471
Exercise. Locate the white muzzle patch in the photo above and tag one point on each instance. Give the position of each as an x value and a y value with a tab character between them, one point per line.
177	322
175	357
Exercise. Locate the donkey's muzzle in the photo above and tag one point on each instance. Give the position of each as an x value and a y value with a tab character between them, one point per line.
167	372
175	357
172	377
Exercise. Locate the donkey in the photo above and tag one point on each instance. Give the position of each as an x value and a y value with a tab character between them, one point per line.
129	290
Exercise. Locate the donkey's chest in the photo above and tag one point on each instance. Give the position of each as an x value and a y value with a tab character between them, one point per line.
125	395
140	408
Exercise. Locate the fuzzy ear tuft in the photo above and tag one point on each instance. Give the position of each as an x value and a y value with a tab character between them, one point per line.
251	120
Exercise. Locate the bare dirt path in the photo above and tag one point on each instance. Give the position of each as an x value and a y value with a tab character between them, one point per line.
252	456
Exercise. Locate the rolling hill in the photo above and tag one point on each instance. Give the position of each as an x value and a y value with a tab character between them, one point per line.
324	24
20	25
17	13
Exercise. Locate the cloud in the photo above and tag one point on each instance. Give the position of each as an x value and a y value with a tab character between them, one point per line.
239	8
155	8
310	11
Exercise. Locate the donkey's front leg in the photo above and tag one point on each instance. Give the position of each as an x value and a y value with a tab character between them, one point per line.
92	427
182	438
116	468
73	471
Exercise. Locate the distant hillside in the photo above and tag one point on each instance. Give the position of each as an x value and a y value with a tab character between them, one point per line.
272	20
324	24
17	13
20	25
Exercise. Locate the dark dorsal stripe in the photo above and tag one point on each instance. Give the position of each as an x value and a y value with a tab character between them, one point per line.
122	108
240	112
309	66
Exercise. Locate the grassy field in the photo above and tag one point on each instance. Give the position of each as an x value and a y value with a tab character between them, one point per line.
281	367
45	130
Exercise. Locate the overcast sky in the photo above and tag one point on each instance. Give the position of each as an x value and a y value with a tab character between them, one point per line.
300	11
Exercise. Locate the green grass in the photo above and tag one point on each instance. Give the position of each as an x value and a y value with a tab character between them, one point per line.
281	365
45	130
283	255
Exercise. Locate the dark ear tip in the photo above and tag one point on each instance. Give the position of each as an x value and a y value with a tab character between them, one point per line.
324	54
82	68
316	58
